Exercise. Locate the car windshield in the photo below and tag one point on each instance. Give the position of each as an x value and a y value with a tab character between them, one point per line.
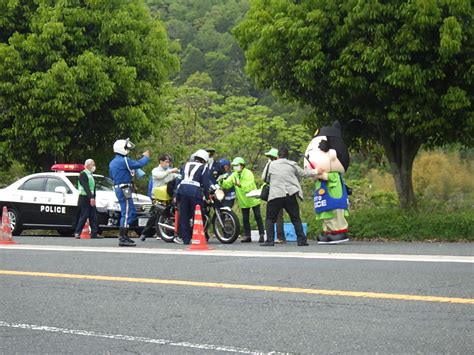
102	183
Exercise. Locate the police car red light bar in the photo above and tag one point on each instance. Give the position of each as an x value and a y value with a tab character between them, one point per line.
68	167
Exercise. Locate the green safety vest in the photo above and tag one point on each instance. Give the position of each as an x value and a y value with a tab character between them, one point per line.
81	189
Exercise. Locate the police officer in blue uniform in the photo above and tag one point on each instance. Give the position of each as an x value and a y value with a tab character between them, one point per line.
191	191
122	169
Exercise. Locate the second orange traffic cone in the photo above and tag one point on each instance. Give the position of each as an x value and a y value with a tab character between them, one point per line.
6	236
199	239
86	232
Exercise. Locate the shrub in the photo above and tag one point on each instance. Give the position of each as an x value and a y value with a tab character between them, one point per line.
441	178
411	225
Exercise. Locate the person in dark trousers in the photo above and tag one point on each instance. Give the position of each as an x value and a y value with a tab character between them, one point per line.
272	155
86	203
243	181
285	189
191	191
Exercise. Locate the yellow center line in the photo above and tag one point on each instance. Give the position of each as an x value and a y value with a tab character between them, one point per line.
308	291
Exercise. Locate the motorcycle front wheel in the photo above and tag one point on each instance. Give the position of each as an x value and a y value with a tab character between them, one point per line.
165	228
228	231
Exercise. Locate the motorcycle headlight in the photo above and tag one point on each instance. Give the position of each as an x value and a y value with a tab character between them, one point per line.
220	195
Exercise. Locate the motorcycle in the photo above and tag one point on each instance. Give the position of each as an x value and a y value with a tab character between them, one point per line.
224	221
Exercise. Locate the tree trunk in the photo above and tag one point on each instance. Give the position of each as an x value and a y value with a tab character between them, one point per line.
401	152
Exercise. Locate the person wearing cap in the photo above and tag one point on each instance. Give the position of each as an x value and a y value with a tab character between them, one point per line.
224	173
191	191
213	166
243	180
272	155
162	175
284	178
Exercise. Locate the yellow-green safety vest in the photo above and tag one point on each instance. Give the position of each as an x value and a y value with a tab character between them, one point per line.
81	189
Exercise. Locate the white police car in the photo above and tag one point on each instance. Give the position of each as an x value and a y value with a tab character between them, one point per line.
49	201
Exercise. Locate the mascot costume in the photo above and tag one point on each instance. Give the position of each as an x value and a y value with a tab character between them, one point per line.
328	155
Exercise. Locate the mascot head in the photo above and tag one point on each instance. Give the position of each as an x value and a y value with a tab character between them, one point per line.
327	151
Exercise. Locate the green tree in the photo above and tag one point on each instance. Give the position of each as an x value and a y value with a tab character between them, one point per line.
202	27
235	126
183	130
76	75
244	128
179	30
216	64
405	68
199	80
192	62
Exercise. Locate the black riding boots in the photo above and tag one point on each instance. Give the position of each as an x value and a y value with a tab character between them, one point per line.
124	240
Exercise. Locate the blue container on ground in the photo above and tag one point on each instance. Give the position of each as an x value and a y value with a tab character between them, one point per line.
289	230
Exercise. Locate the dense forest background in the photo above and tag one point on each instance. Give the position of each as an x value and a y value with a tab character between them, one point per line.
212	100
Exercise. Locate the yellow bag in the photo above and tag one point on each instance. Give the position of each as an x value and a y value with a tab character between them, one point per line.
161	193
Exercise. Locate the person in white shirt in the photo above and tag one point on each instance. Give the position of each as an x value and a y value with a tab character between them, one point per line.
162	175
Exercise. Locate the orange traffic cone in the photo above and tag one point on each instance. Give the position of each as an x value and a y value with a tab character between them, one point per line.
199	239
6	236
86	232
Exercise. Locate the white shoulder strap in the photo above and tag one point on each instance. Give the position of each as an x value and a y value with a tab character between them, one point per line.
132	172
190	175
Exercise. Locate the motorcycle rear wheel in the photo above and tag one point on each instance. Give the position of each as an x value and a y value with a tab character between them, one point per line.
165	233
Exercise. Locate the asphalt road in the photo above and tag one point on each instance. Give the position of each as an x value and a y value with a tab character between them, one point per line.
189	303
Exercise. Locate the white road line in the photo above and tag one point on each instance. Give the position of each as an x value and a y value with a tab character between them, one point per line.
43	328
250	254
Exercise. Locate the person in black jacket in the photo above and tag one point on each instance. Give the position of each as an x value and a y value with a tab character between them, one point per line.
86	203
272	155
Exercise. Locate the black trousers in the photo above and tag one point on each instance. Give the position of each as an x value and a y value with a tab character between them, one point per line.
290	205
280	228
258	219
87	212
186	209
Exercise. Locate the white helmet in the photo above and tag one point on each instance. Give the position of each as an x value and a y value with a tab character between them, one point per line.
123	146
202	154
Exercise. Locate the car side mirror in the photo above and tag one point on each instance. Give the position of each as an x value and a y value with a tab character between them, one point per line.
60	190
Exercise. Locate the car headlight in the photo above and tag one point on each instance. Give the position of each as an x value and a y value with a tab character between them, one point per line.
114	206
101	203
